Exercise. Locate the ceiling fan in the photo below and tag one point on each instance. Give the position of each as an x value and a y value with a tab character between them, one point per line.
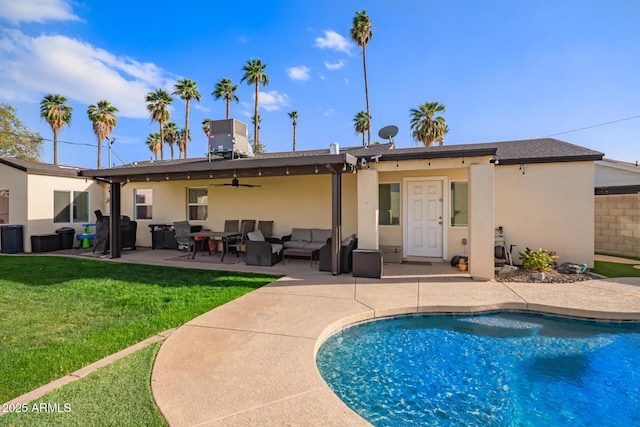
235	183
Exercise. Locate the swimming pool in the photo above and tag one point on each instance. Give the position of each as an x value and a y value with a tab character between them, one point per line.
490	369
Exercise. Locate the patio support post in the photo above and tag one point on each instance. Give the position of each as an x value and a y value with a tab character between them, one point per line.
481	221
368	228
114	221
336	222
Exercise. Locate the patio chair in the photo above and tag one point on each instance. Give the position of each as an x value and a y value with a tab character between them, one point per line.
266	227
246	226
231	225
182	230
261	250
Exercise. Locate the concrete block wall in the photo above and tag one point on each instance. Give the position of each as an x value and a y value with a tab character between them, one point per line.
617	224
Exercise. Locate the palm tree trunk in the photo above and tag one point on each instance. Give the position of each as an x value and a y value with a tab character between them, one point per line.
55	147
186	131
99	153
294	137
228	105
161	140
256	139
366	94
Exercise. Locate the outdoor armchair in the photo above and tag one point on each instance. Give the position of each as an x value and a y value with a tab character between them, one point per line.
261	250
346	257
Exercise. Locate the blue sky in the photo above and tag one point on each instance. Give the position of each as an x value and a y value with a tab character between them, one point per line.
504	69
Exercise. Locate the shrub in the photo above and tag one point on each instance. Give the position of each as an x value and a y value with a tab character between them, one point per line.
541	260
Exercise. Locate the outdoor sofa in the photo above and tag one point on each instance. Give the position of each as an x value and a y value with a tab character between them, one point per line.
306	238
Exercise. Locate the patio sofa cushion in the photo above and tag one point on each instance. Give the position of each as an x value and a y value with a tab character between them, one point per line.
256	236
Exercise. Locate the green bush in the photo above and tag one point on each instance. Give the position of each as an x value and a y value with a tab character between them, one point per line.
541	260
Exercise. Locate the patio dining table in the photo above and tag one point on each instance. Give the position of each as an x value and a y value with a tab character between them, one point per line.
224	236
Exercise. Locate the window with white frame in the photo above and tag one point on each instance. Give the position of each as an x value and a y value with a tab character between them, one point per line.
4	206
143	199
389	204
70	206
197	204
459	204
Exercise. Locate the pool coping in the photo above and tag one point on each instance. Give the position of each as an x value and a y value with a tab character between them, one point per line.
252	361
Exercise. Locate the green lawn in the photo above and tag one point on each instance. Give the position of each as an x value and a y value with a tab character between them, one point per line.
116	395
614	269
60	314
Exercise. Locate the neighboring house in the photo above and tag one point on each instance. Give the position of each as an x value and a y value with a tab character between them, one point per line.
418	204
617	208
42	197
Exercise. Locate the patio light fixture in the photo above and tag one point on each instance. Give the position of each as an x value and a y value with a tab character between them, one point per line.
259	171
287	171
147	177
316	168
167	177
210	174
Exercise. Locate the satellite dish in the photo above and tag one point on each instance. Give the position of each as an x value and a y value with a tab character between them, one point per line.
388	132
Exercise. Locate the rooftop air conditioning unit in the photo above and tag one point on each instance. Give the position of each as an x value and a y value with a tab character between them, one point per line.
228	138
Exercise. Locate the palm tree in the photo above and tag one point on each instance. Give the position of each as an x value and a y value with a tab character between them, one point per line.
182	141
55	112
361	33
254	74
426	126
187	90
361	123
294	116
103	117
153	142
226	89
206	125
170	135
158	106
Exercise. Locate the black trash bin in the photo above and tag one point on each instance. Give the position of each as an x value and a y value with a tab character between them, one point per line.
66	237
11	239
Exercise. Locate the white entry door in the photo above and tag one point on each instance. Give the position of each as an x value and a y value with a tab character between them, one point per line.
424	218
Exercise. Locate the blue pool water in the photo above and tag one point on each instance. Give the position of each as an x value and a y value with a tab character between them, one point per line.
502	369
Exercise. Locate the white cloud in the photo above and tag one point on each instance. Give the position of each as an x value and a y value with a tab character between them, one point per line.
16	11
333	41
300	73
35	66
328	112
334	65
273	100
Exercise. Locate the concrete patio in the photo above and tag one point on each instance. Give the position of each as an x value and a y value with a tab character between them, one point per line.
252	361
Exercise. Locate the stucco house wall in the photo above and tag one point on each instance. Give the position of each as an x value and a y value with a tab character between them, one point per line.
547	205
289	201
31	200
16	182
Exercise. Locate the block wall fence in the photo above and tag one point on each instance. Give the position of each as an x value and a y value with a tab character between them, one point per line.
617	224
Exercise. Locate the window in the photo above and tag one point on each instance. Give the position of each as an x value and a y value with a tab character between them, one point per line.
143	203
4	206
197	204
389	204
66	209
459	204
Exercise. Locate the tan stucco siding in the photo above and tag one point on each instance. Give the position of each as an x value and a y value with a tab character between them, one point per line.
393	235
290	201
549	206
16	182
40	203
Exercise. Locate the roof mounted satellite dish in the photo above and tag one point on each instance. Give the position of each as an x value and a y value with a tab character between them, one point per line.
388	132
